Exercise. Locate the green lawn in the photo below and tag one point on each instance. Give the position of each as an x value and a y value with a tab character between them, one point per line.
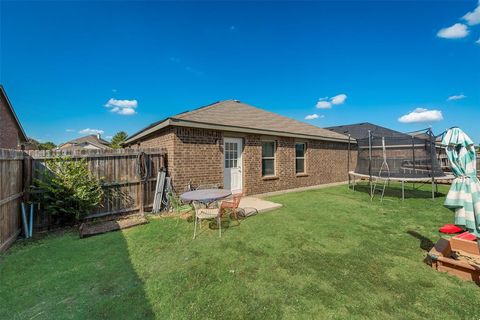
327	254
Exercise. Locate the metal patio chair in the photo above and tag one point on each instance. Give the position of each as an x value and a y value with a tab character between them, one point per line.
232	206
206	214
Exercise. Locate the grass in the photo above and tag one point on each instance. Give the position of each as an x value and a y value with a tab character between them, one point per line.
327	254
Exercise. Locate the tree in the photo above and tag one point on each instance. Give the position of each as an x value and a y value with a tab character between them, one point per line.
118	138
47	145
67	190
42	145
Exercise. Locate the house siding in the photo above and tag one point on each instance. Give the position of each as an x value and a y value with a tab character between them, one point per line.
9	132
196	155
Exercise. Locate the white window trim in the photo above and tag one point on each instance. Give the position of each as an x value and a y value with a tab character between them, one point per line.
233	159
303	158
270	158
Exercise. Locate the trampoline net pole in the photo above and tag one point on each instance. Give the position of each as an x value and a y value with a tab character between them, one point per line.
432	151
370	161
413	158
413	154
348	160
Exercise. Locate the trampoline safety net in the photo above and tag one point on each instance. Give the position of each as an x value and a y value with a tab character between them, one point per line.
397	157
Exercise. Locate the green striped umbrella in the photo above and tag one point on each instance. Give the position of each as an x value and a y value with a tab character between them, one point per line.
464	194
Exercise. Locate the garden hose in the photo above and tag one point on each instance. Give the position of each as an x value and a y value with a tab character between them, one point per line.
143	167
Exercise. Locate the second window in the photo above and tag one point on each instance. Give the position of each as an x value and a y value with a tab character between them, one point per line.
300	157
268	158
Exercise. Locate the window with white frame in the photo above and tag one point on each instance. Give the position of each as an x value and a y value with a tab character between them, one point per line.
300	148
231	155
268	158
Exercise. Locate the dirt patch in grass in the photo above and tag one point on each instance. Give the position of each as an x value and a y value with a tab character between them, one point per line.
89	229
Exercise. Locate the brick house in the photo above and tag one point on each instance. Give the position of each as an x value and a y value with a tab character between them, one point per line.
246	149
12	135
90	142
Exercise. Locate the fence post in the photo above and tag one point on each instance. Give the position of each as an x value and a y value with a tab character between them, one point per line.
142	197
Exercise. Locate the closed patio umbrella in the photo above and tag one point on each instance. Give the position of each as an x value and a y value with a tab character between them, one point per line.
464	194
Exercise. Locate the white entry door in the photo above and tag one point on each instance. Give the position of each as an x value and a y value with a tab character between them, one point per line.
232	172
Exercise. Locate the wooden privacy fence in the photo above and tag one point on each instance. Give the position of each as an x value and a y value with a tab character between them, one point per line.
11	192
128	177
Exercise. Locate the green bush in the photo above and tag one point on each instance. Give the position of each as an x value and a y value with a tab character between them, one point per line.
67	190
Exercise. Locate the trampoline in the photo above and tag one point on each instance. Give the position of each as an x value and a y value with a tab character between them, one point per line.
385	156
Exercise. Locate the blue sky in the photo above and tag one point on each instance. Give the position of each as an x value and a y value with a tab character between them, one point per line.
110	66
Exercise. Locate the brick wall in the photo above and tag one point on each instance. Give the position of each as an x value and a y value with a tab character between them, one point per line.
325	162
161	139
193	155
9	132
196	156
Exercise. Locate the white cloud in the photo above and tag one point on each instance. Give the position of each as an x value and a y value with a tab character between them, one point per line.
338	99
233	28
313	116
69	130
458	30
125	111
123	107
322	104
456	97
478	41
121	103
421	115
90	131
473	17
326	102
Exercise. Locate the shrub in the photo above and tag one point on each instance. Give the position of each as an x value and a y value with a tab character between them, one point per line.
66	189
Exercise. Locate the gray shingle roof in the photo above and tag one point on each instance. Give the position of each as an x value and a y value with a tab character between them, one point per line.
238	116
92	139
360	130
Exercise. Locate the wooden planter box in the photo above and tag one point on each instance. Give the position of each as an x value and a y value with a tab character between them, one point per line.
464	246
440	259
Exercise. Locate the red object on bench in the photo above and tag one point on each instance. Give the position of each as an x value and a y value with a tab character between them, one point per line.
450	229
466	236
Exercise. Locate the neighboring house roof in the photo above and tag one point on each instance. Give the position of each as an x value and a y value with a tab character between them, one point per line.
22	136
360	130
233	115
91	139
424	135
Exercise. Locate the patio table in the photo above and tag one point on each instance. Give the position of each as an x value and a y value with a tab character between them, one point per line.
205	195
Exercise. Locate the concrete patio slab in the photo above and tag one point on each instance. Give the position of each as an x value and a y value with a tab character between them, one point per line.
253	205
